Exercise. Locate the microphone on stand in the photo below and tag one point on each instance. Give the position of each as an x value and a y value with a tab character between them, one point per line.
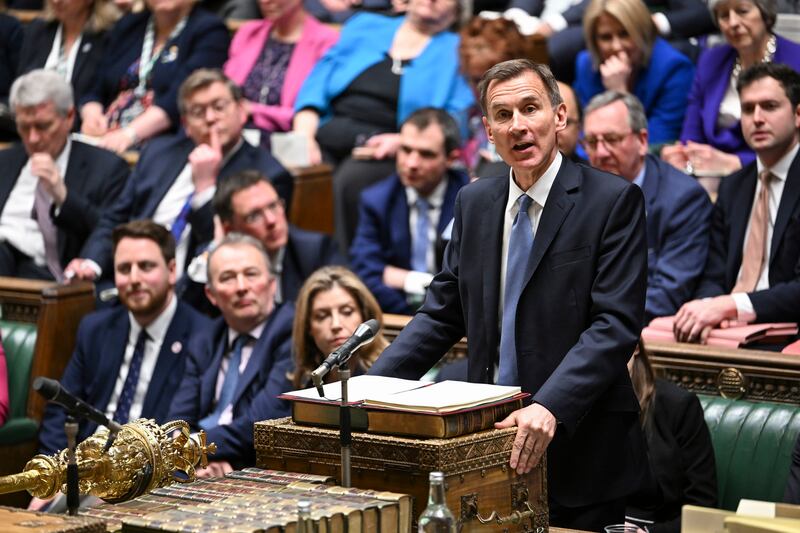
52	391
363	335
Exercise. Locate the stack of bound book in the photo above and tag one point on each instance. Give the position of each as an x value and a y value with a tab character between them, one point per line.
408	408
254	500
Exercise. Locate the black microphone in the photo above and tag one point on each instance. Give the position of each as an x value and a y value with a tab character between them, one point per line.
363	335
54	392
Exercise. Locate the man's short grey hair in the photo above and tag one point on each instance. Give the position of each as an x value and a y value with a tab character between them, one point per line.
236	239
39	87
637	119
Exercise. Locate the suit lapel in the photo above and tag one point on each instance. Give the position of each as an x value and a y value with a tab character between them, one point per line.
259	359
454	184
74	180
168	358
490	249
399	232
208	384
110	357
789	198
172	167
742	205
13	166
652	178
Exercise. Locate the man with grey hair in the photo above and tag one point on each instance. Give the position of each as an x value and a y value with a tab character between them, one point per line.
54	189
247	358
678	209
546	276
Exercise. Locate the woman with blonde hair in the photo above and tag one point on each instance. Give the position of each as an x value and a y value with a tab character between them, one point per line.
331	305
70	38
625	54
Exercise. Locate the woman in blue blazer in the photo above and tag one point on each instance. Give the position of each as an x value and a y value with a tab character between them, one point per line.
134	100
625	54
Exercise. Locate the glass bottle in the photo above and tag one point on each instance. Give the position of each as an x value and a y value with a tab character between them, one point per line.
437	518
304	522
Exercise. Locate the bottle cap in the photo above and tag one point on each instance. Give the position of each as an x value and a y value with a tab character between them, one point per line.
436	476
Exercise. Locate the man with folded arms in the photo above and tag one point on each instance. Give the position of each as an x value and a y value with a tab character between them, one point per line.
754	257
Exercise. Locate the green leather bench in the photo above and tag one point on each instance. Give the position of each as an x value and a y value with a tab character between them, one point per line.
19	342
753	443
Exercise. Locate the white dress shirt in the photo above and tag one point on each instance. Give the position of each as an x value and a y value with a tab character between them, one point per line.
417	282
156	331
54	57
226	417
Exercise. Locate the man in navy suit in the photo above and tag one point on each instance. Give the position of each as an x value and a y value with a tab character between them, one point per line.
129	359
175	179
247	360
678	208
54	189
546	274
753	268
401	217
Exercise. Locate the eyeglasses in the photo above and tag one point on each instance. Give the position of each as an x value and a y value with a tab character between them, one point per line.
611	140
198	111
257	215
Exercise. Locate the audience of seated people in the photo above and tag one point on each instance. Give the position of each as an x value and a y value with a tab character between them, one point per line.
148	56
129	360
626	54
271	58
402	216
245	362
751	274
678	209
67	185
69	39
711	140
248	203
332	303
680	454
380	71
176	176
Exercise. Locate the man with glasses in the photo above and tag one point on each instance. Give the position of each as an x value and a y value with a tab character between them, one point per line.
678	209
176	177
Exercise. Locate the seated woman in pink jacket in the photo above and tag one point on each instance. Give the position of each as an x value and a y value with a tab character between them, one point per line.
271	58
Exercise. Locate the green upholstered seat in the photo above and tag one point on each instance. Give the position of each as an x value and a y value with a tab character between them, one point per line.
753	444
19	342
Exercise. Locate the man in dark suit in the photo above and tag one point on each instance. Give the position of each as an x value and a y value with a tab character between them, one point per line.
401	217
54	189
176	177
129	360
754	257
678	208
247	360
549	265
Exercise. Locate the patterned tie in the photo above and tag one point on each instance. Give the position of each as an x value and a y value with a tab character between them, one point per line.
42	202
755	245
131	380
183	217
520	246
228	385
419	255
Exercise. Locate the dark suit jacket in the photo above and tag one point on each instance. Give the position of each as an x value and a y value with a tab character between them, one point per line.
95	364
383	236
681	460
579	318
203	43
159	165
10	43
792	492
39	36
729	220
94	179
265	374
678	217
687	18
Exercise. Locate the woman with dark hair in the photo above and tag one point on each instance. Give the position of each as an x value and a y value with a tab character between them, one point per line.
680	453
711	139
625	54
331	305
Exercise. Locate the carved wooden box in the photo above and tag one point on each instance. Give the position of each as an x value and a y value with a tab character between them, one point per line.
477	476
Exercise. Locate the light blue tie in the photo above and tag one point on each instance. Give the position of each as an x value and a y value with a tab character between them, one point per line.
228	385
520	246
419	256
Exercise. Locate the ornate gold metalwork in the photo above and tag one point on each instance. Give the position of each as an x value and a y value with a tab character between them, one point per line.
731	383
144	456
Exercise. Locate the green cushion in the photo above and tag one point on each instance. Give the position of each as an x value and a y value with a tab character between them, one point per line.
753	444
19	342
17	430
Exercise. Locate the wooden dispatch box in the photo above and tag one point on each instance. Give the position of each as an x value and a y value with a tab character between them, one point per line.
477	475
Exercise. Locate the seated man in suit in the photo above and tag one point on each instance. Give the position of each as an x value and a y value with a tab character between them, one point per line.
129	359
54	189
247	359
678	208
176	176
753	266
402	216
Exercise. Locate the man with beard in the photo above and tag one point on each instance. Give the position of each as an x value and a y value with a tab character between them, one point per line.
129	360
